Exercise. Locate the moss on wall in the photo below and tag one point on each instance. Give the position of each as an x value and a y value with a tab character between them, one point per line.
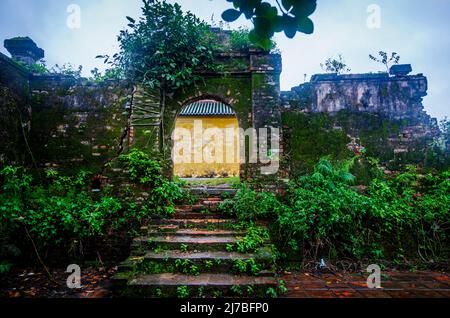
310	136
307	138
78	126
14	126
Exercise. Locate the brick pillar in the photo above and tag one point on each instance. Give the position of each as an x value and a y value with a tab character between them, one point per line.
266	70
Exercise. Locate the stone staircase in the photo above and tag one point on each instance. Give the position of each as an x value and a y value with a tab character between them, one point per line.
190	255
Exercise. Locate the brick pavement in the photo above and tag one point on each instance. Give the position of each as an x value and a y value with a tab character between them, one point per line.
395	284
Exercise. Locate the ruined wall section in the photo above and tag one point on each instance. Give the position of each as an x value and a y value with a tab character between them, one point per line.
15	111
383	114
394	96
77	123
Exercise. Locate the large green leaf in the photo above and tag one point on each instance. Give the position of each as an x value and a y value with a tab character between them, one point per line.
231	15
306	26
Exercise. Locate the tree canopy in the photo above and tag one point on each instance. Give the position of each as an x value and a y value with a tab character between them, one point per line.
164	47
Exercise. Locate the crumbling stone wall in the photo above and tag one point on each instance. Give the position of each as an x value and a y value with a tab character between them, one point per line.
382	114
15	111
62	122
77	123
395	97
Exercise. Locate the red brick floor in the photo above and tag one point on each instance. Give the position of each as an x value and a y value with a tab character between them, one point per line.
394	284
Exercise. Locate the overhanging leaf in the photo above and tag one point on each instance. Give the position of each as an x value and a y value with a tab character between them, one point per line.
306	26
231	15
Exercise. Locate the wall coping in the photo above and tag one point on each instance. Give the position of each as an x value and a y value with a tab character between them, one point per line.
7	60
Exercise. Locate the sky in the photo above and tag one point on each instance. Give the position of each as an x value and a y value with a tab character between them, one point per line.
419	31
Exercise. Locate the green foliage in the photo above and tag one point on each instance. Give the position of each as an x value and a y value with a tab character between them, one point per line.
240	41
255	238
271	293
5	267
164	47
291	16
109	74
230	248
201	292
404	216
186	266
237	290
249	205
158	292
147	173
385	59
59	211
248	266
209	264
183	292
282	287
36	68
335	65
68	70
322	215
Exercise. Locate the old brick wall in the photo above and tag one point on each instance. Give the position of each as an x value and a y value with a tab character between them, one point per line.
77	123
15	111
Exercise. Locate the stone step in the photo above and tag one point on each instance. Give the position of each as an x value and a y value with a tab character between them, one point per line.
201	256
208	262
196	223
204	285
211	199
211	205
191	232
197	215
211	191
194	243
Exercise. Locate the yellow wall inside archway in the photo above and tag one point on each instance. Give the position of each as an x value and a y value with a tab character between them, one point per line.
199	145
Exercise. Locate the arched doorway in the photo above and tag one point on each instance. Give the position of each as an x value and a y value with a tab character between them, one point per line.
206	141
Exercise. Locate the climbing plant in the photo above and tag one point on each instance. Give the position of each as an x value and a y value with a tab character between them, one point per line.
163	49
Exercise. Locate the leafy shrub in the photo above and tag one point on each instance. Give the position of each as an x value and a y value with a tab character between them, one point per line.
62	212
323	213
249	205
147	173
254	239
183	292
58	210
406	216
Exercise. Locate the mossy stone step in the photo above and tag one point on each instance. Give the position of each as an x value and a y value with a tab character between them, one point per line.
197	215
204	285
195	242
214	243
202	256
211	191
197	223
206	262
175	231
